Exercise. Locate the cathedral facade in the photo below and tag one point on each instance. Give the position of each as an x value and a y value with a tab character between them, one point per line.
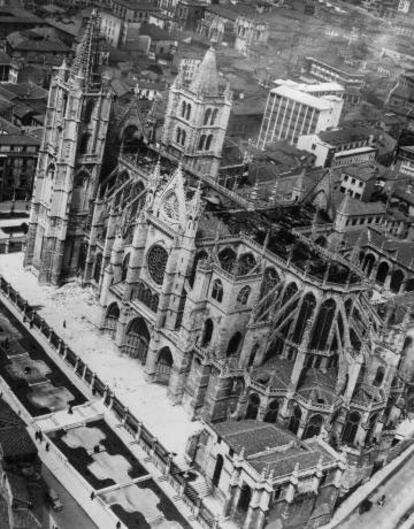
240	317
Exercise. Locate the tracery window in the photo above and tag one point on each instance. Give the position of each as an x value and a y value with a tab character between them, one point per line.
243	295
157	261
217	290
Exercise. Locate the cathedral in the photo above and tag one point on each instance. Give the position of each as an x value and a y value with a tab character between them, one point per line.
218	296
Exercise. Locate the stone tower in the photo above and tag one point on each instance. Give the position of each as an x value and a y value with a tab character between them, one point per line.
70	158
197	116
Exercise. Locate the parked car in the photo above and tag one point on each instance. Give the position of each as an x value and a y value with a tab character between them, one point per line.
54	500
365	506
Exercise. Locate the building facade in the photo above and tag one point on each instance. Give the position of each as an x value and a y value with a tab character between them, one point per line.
293	110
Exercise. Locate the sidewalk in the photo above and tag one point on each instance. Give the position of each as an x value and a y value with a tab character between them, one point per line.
125	376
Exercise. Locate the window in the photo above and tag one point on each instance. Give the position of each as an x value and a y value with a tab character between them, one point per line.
208	142
188	112
157	261
207	116
313	146
214	116
178	135
183	137
202	142
217	290
183	109
243	295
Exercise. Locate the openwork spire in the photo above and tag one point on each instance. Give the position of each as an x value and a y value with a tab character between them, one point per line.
86	59
206	80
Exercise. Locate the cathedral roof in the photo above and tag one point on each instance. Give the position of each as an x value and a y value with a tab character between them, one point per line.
206	80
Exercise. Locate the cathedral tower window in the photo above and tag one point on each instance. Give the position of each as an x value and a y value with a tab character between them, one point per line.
183	137
84	143
157	262
188	112
351	427
208	333
202	142
178	135
208	142
214	116
217	290
183	109
207	116
252	355
87	111
253	406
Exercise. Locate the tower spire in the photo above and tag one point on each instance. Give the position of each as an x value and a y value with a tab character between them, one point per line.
86	58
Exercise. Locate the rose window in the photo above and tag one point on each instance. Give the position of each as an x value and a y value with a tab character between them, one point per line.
157	261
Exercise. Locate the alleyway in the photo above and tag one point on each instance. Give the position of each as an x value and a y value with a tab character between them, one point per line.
125	376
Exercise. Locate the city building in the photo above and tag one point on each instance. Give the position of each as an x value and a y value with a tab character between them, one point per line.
241	27
18	158
340	147
262	473
359	181
294	110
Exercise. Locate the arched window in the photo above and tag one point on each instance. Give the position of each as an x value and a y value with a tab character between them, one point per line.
154	302
188	112
234	344
111	319
178	135
243	295
87	111
207	116
183	137
323	324
208	142
313	427
245	264
270	279
379	377
305	313
217	470
252	355
202	142
295	418
351	427
272	412
125	265
382	272
84	143
227	257
97	267
208	333
183	108
396	280
214	116
217	290
368	263
253	406
137	338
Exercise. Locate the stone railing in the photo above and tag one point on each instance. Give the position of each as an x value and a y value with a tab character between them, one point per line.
160	457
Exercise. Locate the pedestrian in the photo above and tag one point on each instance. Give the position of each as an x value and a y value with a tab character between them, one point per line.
92	495
47	447
70	410
64	324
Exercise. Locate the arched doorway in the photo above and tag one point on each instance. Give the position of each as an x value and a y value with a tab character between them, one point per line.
253	406
351	427
313	427
217	470
111	319
295	418
272	412
137	339
164	365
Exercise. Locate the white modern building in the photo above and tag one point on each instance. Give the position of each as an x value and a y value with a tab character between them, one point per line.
295	109
340	147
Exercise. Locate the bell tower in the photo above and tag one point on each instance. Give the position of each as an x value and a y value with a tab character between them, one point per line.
196	119
70	159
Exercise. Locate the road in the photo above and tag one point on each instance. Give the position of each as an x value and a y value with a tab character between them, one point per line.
72	515
399	492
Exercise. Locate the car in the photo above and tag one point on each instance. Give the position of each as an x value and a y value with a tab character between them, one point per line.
54	500
365	506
